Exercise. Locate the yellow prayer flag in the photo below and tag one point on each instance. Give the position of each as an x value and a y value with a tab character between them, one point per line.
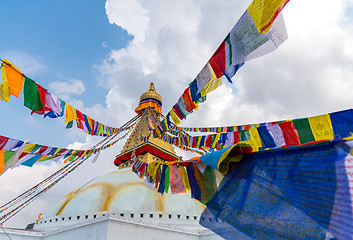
71	155
184	177
2	161
321	127
214	143
211	85
255	138
153	168
264	12
70	114
29	147
13	77
4	88
225	160
198	141
175	118
57	151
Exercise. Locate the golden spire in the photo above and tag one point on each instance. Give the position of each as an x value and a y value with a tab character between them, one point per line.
151	93
150	99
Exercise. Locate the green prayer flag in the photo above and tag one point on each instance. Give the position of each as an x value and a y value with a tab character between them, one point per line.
72	157
7	155
244	135
101	129
70	124
31	95
166	182
304	131
36	147
47	158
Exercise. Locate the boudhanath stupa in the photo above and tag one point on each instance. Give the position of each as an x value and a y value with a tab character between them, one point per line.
119	205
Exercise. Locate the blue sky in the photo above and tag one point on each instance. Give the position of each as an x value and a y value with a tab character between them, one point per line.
67	38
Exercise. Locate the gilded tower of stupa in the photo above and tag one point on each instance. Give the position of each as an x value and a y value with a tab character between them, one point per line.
150	110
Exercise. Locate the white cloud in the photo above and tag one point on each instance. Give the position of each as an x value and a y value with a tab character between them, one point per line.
72	87
130	15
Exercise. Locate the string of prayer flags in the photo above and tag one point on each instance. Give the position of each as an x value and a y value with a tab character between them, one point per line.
289	133
178	176
259	31
42	102
14	153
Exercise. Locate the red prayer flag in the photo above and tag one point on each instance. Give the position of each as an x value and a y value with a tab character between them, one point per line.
208	141
80	115
79	124
22	155
3	141
42	149
236	137
190	105
42	93
290	134
194	141
218	60
177	112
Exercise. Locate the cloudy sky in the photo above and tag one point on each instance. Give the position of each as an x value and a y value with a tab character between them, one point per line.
101	56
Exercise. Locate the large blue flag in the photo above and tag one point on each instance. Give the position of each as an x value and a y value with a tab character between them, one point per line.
300	193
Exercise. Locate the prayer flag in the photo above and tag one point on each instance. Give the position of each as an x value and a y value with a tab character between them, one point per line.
290	134
176	181
53	102
2	161
31	95
295	193
217	61
167	179
266	138
321	127
184	177
207	183
53	114
4	87
342	123
304	131
277	135
247	43
178	112
70	113
13	76
212	84
175	118
195	189
32	159
190	105
42	94
3	142
264	12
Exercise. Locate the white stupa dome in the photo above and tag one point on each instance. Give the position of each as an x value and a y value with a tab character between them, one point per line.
123	194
